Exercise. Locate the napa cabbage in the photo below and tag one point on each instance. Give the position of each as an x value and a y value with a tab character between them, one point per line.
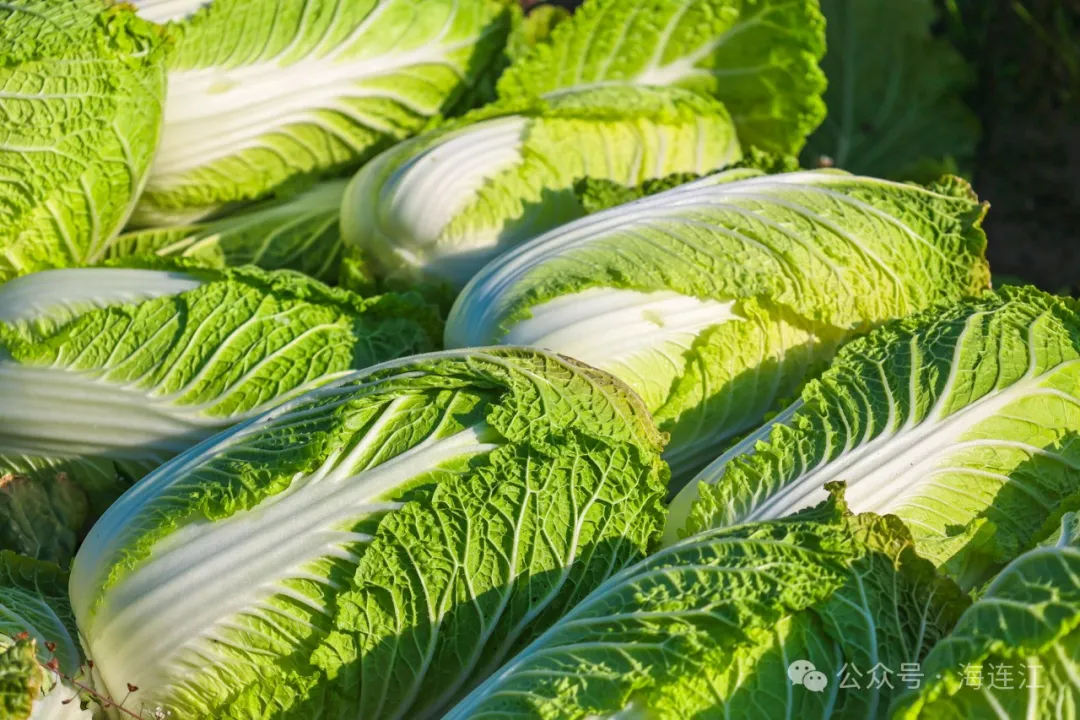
718	299
106	373
266	94
39	646
375	547
764	620
443	204
82	84
962	421
1014	652
300	232
624	90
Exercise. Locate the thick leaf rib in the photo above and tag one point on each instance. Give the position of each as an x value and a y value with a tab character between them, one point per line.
718	299
960	420
298	233
384	541
96	390
268	94
710	627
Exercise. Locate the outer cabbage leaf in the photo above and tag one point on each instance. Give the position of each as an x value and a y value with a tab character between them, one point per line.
266	93
375	547
710	628
107	373
507	180
81	90
895	93
299	233
716	300
41	517
38	643
34	600
443	204
596	194
962	421
1020	639
758	57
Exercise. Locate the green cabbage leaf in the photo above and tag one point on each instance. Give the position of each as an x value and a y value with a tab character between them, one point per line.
106	373
264	95
623	90
895	96
718	299
962	421
375	547
82	84
301	232
1014	653
759	621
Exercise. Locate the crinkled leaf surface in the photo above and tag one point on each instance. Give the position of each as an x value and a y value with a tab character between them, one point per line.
534	28
375	547
758	57
596	194
21	678
962	421
298	233
266	93
106	373
34	600
717	299
709	628
81	90
443	204
895	92
1021	639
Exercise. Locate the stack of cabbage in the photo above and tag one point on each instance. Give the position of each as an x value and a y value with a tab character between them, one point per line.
246	469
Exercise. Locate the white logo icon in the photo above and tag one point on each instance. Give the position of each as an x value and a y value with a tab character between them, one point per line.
803	672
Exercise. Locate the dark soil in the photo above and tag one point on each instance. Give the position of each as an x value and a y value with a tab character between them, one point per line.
1029	171
1027	56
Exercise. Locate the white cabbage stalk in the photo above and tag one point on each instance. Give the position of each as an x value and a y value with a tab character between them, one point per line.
420	520
263	94
163	11
442	205
718	299
962	422
106	373
62	702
